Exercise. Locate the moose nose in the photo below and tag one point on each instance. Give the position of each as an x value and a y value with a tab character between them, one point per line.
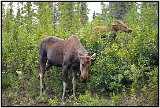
84	81
129	31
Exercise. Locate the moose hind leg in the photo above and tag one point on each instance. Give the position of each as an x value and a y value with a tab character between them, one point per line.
48	65
42	67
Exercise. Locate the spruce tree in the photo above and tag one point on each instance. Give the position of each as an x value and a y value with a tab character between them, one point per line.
45	18
119	9
84	13
66	16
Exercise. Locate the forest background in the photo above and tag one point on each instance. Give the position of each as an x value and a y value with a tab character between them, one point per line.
125	72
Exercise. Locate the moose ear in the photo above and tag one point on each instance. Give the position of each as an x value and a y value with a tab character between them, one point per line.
93	57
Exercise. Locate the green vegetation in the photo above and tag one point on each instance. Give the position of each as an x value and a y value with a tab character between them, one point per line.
125	72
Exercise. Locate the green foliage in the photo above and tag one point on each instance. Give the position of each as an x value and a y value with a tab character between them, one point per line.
84	100
53	102
42	97
126	68
146	96
87	100
33	85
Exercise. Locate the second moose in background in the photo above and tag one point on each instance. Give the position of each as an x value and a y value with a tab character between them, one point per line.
119	26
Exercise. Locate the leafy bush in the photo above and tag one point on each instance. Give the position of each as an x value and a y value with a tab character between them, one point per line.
126	68
83	100
87	100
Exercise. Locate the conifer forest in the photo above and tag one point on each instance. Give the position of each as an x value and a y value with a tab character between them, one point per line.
124	73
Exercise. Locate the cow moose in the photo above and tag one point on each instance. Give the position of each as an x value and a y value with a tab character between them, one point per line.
68	54
119	26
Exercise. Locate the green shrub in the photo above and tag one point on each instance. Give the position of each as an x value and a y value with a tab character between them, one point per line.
126	68
86	100
53	102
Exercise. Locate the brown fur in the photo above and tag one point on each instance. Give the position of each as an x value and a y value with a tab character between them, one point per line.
67	54
119	26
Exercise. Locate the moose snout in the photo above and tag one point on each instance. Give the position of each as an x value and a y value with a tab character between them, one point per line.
83	79
130	30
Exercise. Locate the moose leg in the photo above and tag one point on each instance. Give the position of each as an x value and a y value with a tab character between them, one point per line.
42	67
48	65
74	79
64	75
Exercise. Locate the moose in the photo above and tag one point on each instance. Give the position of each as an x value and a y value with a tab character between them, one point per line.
119	26
68	54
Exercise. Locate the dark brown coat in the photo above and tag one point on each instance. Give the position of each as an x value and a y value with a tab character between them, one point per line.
67	54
